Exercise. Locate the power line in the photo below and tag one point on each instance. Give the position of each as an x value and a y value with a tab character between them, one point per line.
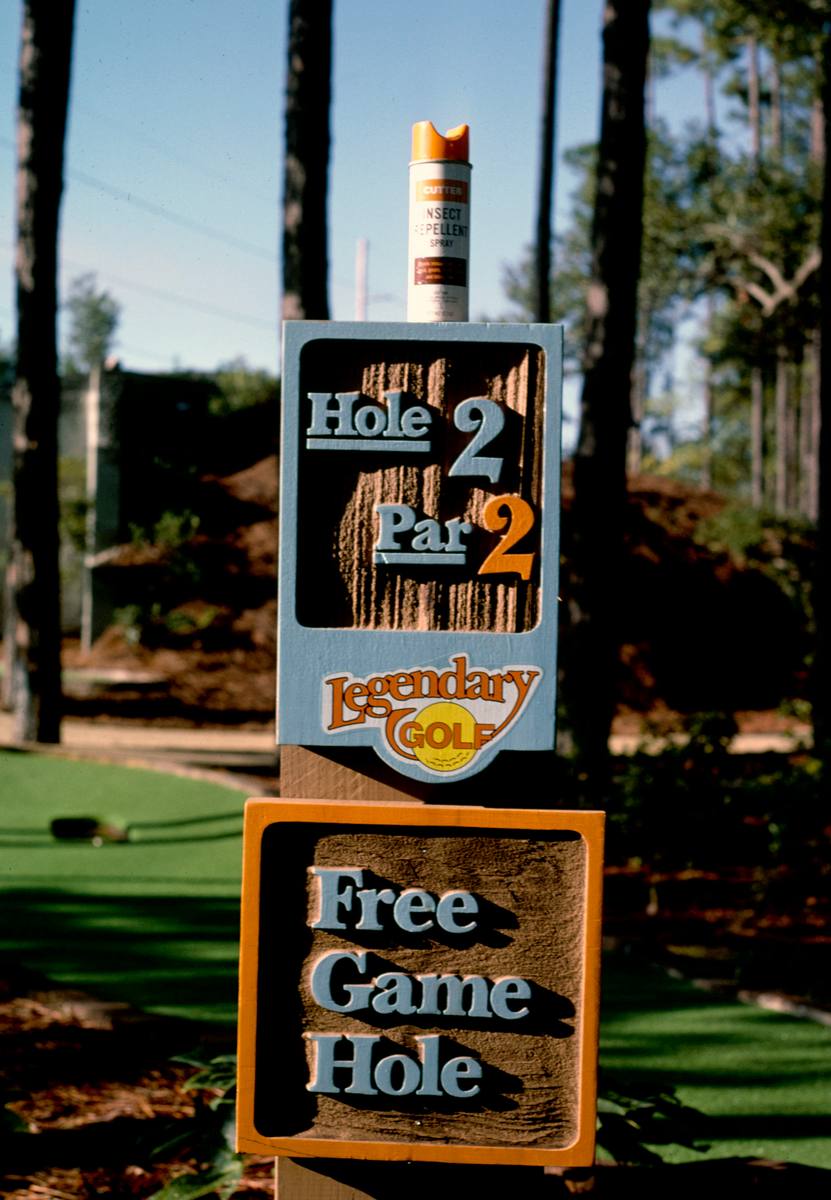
172	155
166	214
162	294
174	298
160	147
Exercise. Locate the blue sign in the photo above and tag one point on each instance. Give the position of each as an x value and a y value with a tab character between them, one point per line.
419	547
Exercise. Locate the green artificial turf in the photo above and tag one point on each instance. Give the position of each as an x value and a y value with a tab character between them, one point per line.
762	1079
154	920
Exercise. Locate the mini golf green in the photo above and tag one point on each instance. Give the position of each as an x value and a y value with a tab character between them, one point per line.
763	1079
153	920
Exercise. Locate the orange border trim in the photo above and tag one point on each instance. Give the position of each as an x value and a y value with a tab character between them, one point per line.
261	813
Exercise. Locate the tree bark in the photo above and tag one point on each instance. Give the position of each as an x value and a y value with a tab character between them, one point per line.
709	407
757	437
590	655
709	88
821	678
640	387
34	583
753	106
812	427
305	184
545	198
783	456
777	135
817	144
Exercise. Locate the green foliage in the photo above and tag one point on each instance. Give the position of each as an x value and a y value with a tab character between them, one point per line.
150	623
696	805
722	222
631	1119
782	549
73	502
240	386
173	530
209	1137
739	529
93	320
170	532
150	620
178	622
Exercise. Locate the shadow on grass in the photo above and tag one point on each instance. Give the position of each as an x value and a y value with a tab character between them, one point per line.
761	1078
174	953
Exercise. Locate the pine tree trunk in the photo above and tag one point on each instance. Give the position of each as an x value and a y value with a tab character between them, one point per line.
634	448
545	197
794	448
305	185
753	107
708	431
777	136
821	676
805	421
783	457
591	647
709	89
757	437
34	582
810	466
817	145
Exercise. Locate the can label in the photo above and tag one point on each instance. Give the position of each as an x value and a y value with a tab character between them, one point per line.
439	244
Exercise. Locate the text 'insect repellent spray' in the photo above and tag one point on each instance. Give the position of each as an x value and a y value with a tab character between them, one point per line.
439	245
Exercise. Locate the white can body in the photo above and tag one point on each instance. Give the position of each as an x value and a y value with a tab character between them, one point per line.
439	245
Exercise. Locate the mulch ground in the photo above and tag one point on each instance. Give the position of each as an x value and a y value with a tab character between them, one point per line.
89	1095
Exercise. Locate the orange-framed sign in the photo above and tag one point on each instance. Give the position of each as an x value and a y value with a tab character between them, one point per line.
419	983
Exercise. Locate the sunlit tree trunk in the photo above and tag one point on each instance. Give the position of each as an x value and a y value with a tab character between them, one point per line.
605	406
811	394
709	423
810	461
709	407
757	437
781	403
817	146
821	678
308	96
545	198
777	136
33	591
753	106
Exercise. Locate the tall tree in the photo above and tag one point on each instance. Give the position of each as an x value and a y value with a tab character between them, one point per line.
821	681
305	185
33	591
590	656
93	319
545	196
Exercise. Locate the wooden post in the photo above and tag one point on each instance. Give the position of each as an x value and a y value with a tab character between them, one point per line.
417	648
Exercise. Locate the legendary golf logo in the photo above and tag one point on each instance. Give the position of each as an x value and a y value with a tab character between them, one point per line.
441	719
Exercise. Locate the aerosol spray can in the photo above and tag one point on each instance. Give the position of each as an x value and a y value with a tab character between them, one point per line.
439	248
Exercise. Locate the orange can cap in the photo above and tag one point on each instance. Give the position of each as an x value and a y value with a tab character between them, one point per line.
428	143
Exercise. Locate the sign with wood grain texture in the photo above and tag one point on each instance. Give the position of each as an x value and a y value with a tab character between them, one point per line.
419	541
419	983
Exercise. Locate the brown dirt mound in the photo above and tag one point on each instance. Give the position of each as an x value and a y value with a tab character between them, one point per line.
695	622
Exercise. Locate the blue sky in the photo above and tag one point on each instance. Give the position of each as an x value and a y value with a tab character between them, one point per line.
177	105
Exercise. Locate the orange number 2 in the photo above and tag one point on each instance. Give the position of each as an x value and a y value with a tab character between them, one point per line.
520	519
